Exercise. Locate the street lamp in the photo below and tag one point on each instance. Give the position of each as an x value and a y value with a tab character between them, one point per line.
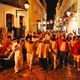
68	13
26	5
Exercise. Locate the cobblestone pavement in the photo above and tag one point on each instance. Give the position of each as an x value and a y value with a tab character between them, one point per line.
38	74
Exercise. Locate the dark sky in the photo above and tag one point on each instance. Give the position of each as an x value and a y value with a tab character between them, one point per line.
51	5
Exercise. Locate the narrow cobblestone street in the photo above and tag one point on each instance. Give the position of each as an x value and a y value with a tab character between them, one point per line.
38	74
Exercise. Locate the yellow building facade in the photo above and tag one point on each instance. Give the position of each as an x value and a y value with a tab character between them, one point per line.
37	11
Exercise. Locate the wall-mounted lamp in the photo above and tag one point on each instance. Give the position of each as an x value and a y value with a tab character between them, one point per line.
26	6
68	13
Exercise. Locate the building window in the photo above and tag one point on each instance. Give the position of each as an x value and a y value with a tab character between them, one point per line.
9	21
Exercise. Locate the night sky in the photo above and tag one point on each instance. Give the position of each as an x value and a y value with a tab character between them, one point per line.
51	5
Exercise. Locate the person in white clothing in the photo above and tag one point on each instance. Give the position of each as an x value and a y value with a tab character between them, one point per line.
18	58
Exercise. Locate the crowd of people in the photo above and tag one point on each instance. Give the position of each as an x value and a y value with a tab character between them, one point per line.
52	49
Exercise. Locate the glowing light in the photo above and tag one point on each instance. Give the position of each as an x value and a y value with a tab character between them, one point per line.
26	6
68	13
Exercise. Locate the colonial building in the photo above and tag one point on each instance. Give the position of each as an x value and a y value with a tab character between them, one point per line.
69	12
13	13
37	12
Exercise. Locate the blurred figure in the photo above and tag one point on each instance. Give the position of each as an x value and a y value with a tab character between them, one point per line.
62	55
18	57
78	57
54	48
42	51
5	45
30	52
76	52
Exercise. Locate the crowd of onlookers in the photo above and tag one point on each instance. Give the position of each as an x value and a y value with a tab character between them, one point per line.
51	49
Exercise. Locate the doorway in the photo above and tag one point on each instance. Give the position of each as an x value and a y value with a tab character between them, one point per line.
22	27
9	21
